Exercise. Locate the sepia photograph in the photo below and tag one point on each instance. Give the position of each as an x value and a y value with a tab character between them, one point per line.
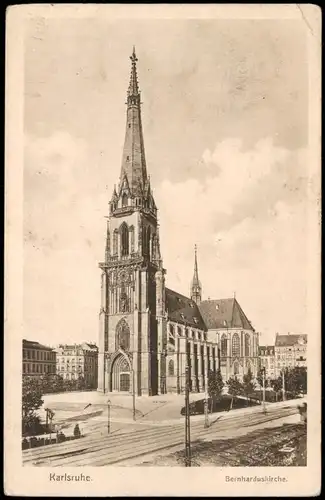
169	205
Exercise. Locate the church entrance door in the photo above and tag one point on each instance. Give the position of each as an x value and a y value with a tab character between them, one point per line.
120	375
124	382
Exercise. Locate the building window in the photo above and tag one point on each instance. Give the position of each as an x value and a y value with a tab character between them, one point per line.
171	368
236	367
171	329
193	334
247	344
131	233
123	335
224	345
115	241
235	345
179	330
124	240
146	241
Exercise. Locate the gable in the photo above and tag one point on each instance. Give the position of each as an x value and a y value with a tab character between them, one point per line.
224	313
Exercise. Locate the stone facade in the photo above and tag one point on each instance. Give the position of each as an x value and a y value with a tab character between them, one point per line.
38	359
267	361
78	360
290	351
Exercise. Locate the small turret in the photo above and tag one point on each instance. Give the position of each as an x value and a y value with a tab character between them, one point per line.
196	287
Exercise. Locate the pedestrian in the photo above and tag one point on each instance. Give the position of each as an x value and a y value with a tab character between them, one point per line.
76	431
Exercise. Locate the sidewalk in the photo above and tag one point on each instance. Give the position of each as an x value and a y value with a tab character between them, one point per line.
156	410
197	418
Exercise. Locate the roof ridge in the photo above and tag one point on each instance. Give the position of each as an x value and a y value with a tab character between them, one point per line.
180	294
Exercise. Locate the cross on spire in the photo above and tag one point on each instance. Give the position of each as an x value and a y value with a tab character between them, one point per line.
133	90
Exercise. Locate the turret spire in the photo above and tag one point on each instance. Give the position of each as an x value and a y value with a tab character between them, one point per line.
196	288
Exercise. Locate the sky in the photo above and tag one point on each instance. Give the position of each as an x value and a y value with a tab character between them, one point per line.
225	122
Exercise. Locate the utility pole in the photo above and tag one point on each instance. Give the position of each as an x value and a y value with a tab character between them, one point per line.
283	386
187	405
133	393
206	396
263	375
187	420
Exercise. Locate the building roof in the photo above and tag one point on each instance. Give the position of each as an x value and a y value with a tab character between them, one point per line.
290	340
224	313
268	350
183	310
32	344
86	346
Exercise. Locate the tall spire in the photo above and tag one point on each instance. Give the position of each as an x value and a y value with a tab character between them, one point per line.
196	288
133	159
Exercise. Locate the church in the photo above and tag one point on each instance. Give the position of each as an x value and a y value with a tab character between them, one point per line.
149	333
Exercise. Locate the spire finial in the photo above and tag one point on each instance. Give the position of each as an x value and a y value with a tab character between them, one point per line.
133	90
133	57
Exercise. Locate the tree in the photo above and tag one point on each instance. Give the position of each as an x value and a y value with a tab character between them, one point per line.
260	381
31	402
80	383
276	385
259	377
235	388
296	381
215	386
248	384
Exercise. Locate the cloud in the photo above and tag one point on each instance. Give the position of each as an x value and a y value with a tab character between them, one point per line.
247	213
248	216
64	233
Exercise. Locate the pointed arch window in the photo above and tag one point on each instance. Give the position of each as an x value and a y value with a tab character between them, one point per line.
124	240
224	345
124	200
235	345
146	241
247	344
131	233
123	335
115	241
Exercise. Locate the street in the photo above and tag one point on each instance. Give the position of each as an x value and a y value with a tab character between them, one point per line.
132	444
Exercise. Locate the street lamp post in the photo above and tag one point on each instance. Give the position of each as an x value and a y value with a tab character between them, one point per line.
187	409
108	416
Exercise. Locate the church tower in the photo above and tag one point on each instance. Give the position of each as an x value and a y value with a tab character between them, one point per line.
196	287
132	315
